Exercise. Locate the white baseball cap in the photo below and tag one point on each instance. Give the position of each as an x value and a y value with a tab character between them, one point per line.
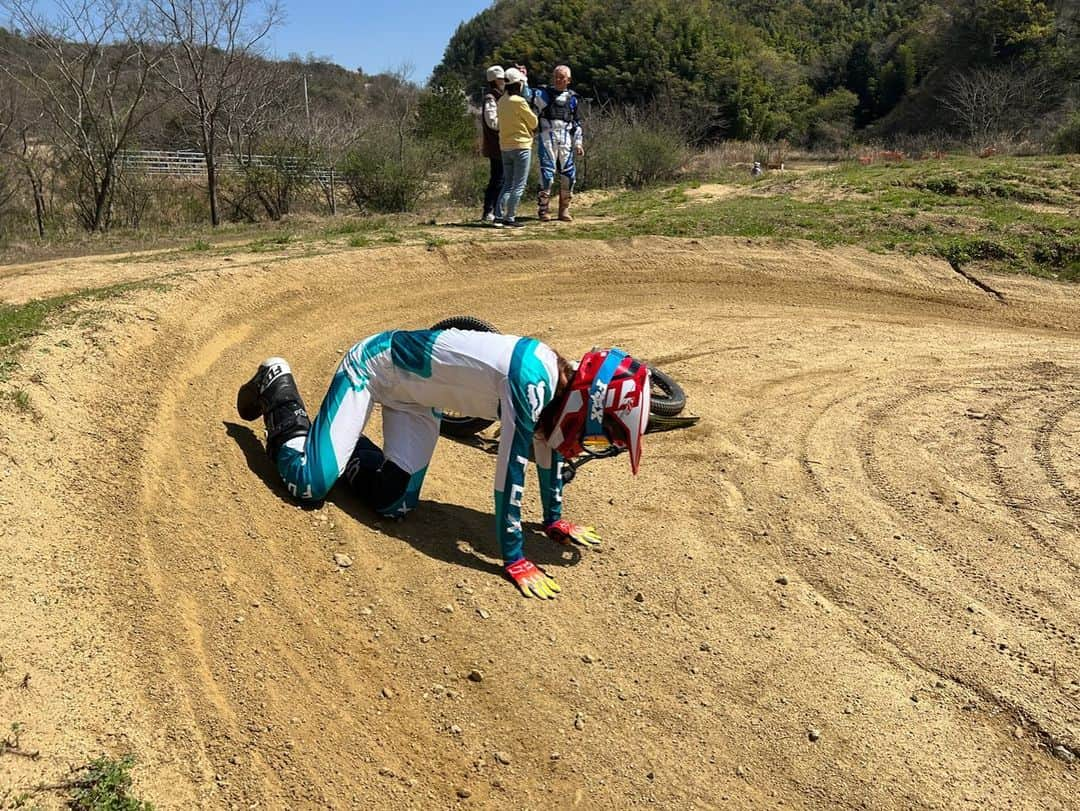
513	76
495	72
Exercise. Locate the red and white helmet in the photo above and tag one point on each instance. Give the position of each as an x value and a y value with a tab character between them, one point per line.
606	406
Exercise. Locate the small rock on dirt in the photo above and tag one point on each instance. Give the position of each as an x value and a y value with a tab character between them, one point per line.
1063	754
448	609
502	758
342	560
476	675
455	729
639	597
387	693
587	659
464	793
579	721
813	734
782	580
483	614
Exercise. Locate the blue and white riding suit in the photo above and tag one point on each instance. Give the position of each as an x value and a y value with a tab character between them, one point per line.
560	134
414	375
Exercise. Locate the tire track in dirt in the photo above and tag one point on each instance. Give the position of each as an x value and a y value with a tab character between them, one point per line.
264	663
947	603
1019	505
1044	458
867	443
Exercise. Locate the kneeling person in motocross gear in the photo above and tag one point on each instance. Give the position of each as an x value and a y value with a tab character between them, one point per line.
559	409
559	142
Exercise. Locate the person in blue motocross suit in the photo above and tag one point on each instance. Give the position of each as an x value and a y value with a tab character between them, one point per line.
559	141
545	404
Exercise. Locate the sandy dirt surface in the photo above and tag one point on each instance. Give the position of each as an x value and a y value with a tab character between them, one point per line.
853	584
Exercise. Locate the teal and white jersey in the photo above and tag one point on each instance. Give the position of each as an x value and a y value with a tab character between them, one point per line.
415	375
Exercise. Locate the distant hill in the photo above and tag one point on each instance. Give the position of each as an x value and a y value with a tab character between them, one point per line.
763	68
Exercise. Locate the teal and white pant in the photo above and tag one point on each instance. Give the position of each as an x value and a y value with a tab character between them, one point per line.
311	465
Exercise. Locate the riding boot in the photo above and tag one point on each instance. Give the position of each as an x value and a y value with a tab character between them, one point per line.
543	205
565	196
272	394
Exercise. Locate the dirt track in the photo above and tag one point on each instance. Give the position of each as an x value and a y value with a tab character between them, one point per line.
899	445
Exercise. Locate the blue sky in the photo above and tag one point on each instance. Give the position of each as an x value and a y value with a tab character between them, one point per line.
375	35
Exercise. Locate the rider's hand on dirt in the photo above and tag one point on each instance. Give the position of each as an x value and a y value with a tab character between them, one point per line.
532	581
565	531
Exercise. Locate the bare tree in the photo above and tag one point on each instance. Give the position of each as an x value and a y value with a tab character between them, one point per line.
94	85
211	64
8	125
990	103
18	150
332	134
266	134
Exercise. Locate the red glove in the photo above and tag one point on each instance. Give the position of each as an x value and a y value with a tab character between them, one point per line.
565	531
532	581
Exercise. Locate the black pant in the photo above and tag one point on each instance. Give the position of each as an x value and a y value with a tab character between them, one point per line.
494	186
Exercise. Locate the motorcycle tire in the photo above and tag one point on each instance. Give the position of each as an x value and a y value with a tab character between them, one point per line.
667	397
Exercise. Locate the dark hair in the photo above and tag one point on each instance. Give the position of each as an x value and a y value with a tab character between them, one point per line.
546	424
513	89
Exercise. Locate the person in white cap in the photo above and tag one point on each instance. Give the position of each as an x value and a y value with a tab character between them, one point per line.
489	148
517	123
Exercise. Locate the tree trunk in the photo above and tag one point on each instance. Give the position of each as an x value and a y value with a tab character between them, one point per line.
39	201
211	186
101	199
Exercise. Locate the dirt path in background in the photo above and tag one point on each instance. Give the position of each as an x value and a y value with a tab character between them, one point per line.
895	446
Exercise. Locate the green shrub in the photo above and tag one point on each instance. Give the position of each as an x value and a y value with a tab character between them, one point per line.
468	179
105	785
630	149
1067	139
389	172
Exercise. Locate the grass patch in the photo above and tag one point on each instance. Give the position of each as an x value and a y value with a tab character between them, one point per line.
963	210
20	399
430	241
105	785
274	242
354	225
20	322
360	241
198	246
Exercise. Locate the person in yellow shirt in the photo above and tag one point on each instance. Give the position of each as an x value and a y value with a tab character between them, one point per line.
517	126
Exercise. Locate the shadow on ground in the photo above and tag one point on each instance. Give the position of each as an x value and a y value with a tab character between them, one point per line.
451	533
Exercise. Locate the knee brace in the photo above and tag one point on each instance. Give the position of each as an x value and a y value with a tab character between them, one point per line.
378	483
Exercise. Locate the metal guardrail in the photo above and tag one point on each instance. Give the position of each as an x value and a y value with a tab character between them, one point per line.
186	163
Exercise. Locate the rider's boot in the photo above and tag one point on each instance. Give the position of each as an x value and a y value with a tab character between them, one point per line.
543	205
565	196
272	394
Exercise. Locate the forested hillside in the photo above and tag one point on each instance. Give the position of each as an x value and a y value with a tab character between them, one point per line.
762	69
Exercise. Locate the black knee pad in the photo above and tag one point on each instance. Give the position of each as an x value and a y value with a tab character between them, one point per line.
377	482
